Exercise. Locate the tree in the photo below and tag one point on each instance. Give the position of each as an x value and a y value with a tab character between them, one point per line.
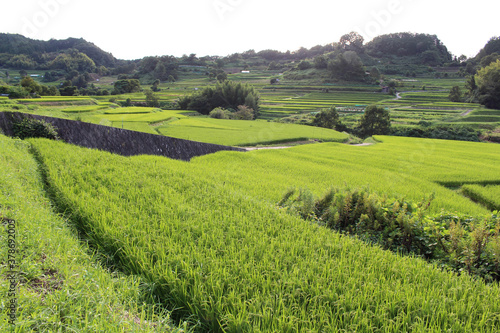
320	62
155	85
470	68
127	86
409	44
50	76
227	94
160	72
22	61
159	67
455	94
472	91
488	85
347	66
81	81
128	102
73	60
219	63
192	59
492	46
303	65
221	76
15	92
327	118
103	71
375	73
375	121
487	60
69	91
431	58
30	85
352	41
151	99
273	66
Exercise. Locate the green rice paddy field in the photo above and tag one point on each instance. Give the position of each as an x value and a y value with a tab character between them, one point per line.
409	110
244	133
208	241
60	285
412	106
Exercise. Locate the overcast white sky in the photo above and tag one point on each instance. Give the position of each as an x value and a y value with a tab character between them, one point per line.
134	29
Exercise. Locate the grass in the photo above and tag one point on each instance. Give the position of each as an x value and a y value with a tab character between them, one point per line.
488	195
210	238
62	288
138	126
244	133
481	119
294	102
151	117
58	99
131	109
289	98
78	109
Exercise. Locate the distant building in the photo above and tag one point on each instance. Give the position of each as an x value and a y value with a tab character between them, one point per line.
35	75
245	72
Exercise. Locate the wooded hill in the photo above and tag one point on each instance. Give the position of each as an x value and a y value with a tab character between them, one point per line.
25	53
347	59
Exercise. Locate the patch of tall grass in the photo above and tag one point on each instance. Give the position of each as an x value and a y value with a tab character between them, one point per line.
214	247
61	287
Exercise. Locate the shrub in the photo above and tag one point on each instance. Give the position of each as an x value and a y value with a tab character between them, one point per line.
15	92
220	113
444	132
34	128
303	65
462	243
243	113
227	94
455	94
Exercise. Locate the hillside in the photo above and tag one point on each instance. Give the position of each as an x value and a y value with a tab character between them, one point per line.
19	52
210	242
26	53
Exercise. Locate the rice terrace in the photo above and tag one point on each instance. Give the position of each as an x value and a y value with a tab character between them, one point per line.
348	187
